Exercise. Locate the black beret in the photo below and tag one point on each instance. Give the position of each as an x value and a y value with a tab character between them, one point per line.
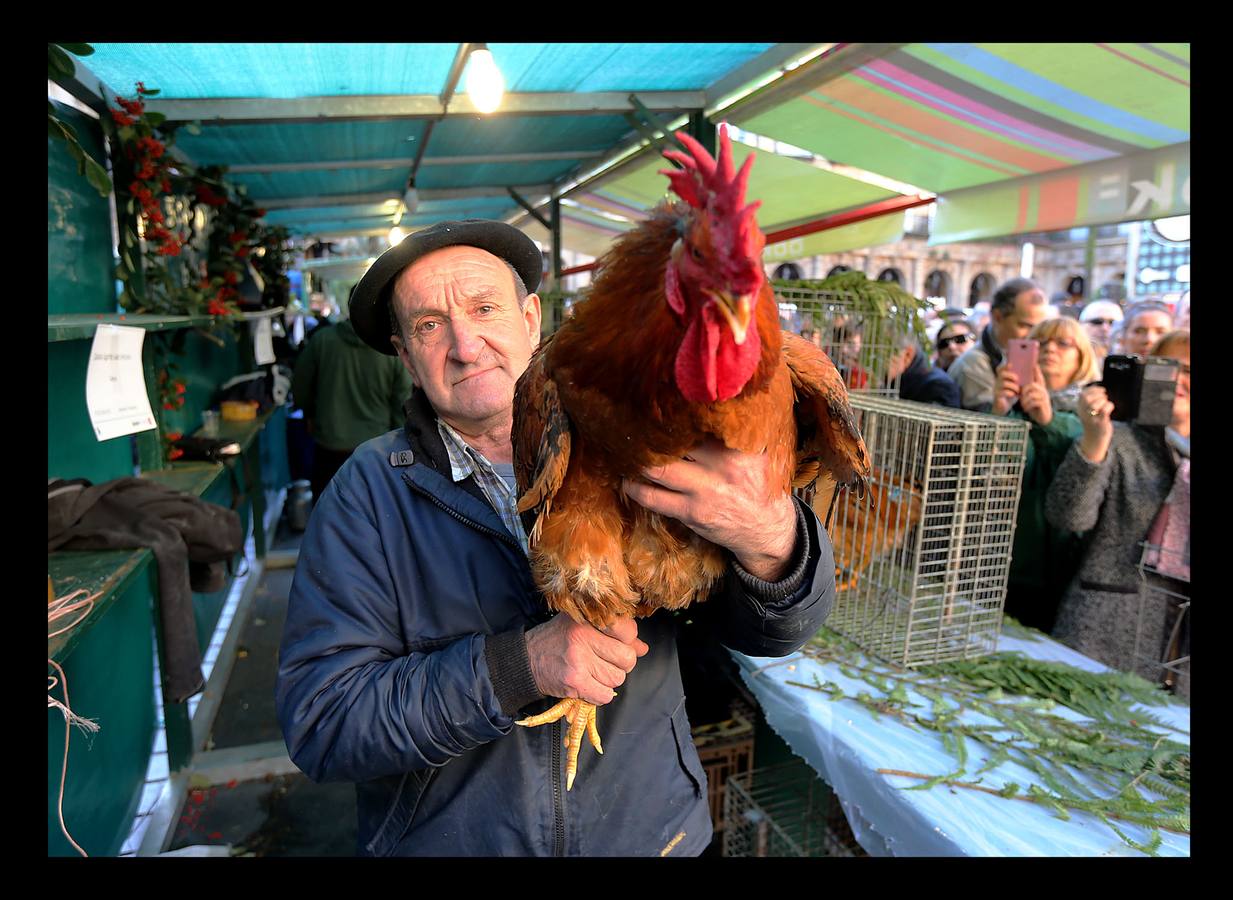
369	306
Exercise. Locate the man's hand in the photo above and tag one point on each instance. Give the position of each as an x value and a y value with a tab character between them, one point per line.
728	497
569	659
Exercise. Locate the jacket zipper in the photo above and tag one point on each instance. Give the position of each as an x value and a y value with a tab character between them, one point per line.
558	796
483	529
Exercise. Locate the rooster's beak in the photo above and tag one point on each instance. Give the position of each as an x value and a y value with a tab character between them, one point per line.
737	310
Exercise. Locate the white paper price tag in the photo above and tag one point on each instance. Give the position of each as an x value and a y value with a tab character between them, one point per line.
115	384
263	341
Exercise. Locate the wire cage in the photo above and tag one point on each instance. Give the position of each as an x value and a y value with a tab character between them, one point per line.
859	341
1162	617
784	810
922	564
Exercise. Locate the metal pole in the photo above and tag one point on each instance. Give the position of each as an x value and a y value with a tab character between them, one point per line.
556	242
1089	264
1132	260
703	130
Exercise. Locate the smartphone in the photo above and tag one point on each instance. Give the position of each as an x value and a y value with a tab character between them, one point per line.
1021	357
1141	389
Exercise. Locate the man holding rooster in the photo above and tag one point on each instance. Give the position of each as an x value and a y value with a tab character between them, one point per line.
417	634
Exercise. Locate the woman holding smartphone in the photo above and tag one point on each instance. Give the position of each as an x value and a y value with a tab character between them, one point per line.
1129	486
1044	558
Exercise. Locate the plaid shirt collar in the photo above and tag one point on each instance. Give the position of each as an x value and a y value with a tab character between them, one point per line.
466	461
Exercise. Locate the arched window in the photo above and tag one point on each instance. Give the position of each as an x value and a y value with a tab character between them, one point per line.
788	272
838	270
937	284
982	289
891	274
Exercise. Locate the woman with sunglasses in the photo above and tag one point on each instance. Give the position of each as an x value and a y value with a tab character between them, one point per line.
1128	486
1044	558
954	339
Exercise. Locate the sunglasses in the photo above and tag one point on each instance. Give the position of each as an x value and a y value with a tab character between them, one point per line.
1101	321
1060	343
956	339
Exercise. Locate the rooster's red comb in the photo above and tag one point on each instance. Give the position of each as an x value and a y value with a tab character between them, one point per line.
704	183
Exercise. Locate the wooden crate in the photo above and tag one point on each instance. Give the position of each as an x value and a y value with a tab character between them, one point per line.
725	749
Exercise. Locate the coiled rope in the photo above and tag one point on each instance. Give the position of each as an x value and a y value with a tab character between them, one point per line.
59	609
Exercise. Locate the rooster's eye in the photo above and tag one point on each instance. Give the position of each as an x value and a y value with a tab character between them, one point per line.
695	253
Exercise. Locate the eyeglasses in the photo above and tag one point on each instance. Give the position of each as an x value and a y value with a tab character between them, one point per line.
1061	343
956	339
1100	322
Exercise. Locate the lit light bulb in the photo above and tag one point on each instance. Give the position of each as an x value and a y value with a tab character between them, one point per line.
485	83
396	235
1174	228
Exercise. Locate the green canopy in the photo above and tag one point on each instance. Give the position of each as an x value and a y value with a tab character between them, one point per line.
947	117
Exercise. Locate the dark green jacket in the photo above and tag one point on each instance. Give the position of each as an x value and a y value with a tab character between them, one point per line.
348	390
1044	558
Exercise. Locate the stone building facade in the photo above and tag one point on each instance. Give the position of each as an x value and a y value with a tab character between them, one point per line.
965	273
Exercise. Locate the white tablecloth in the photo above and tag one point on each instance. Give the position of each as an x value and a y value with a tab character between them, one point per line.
845	743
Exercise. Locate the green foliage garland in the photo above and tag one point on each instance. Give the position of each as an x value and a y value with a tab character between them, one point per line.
59	66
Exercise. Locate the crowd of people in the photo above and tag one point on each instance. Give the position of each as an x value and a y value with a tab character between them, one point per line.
1101	555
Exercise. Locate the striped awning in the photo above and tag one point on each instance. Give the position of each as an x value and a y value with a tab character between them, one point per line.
952	116
791	191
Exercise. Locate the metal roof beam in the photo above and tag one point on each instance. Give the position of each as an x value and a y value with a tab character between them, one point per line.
400	162
771	64
86	86
251	111
381	196
456	69
363	221
518	198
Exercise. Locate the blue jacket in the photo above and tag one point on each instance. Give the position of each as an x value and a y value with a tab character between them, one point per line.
923	383
403	667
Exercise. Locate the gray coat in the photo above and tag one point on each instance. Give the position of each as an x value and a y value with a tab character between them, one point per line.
1116	501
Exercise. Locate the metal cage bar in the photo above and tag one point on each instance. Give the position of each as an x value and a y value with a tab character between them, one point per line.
921	575
836	316
1162	617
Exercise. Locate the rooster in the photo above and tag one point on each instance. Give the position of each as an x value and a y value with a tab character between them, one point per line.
861	537
679	342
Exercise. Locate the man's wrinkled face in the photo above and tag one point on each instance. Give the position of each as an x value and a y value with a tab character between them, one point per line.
1029	311
465	340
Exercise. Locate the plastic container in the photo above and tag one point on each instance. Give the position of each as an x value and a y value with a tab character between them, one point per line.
239	410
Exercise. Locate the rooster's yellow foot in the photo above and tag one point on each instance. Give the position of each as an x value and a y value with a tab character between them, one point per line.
581	717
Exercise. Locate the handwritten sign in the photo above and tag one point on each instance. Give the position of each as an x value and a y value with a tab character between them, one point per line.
115	385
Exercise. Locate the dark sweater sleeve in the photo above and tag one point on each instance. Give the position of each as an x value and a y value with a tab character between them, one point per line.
509	667
761	618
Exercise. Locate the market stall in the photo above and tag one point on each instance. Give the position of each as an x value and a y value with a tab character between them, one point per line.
954	763
262	143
